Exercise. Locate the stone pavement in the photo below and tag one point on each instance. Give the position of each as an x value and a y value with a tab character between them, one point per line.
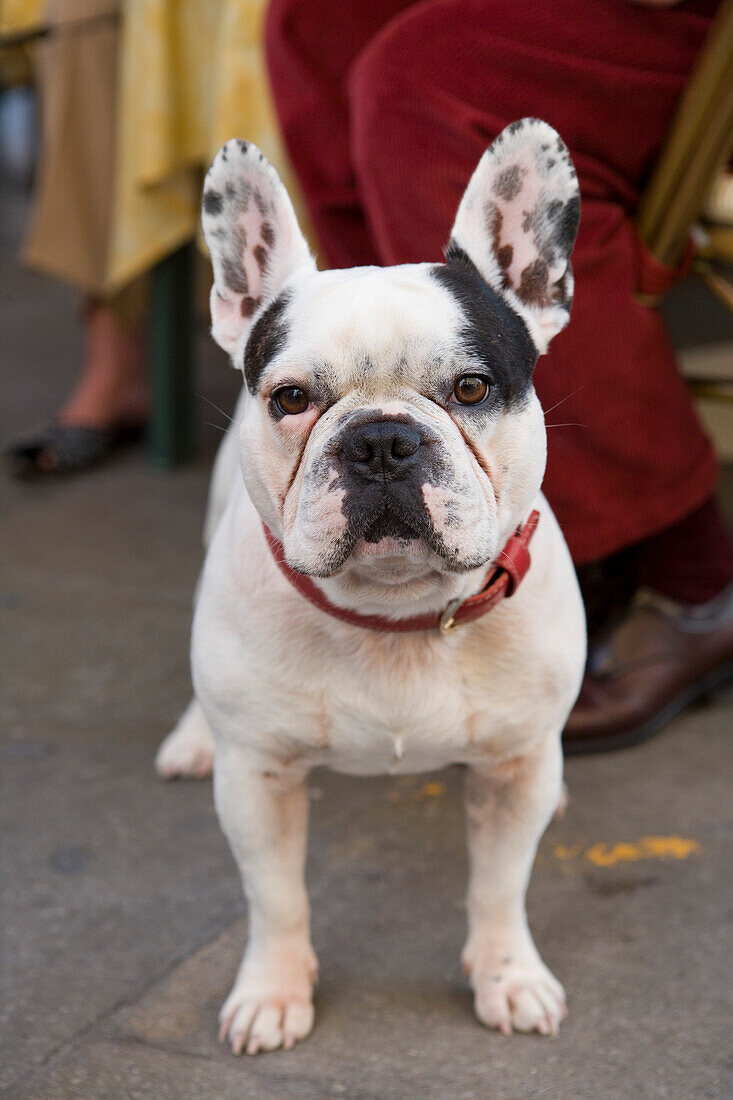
121	913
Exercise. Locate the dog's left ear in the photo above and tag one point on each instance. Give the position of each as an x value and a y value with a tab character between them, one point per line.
253	237
517	223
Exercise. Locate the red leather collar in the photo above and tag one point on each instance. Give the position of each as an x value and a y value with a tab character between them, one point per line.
505	575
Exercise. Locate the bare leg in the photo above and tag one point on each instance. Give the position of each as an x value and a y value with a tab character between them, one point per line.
264	814
507	811
108	404
112	385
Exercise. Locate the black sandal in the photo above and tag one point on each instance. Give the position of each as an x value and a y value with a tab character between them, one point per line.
68	449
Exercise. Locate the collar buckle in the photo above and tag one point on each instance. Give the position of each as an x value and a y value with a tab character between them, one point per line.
446	622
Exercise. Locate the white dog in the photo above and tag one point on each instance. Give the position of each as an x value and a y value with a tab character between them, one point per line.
392	450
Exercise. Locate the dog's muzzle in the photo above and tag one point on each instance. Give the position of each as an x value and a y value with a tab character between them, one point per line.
382	451
384	467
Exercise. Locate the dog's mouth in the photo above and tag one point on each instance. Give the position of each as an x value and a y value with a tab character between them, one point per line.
394	558
397	537
390	526
394	525
389	547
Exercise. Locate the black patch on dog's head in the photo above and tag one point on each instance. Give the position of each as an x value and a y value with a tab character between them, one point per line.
249	306
493	334
261	256
553	225
235	276
508	183
213	202
567	225
267	338
533	282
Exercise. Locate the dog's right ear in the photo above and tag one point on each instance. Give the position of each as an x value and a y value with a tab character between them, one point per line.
253	236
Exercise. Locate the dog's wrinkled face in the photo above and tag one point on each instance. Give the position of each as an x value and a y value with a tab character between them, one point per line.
391	416
370	431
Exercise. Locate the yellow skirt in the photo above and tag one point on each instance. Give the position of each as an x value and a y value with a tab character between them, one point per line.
136	98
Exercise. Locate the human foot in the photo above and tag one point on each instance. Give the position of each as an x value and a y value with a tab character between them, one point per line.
112	387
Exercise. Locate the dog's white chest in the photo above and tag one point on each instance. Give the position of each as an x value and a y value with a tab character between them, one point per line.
300	688
392	724
379	751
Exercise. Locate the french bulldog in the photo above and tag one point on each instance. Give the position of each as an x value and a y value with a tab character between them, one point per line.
387	447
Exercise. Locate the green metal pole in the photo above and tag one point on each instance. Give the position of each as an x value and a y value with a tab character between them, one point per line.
172	360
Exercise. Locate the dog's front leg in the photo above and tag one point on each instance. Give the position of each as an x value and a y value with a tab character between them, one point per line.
263	811
507	810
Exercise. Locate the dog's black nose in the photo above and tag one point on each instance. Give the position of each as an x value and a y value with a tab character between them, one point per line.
382	448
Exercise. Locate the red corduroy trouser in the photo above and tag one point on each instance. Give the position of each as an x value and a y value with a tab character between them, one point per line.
386	107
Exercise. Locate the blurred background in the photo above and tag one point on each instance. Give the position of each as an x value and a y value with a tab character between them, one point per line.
121	911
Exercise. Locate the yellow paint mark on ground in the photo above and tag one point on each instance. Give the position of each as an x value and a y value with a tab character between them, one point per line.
646	847
432	790
678	847
604	855
563	852
428	790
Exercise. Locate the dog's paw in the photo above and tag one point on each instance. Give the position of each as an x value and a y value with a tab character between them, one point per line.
519	995
270	1004
254	1020
188	751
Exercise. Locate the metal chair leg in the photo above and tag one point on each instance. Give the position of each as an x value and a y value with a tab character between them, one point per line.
172	360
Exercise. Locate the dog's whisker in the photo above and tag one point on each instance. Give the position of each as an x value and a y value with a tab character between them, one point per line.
570	424
208	400
563	400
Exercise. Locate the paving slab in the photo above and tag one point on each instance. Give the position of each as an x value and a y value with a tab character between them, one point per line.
632	926
108	1069
634	931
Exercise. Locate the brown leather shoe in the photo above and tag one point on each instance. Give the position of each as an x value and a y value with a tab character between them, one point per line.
659	659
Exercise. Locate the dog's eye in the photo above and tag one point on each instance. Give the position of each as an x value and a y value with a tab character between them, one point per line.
291	400
472	389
